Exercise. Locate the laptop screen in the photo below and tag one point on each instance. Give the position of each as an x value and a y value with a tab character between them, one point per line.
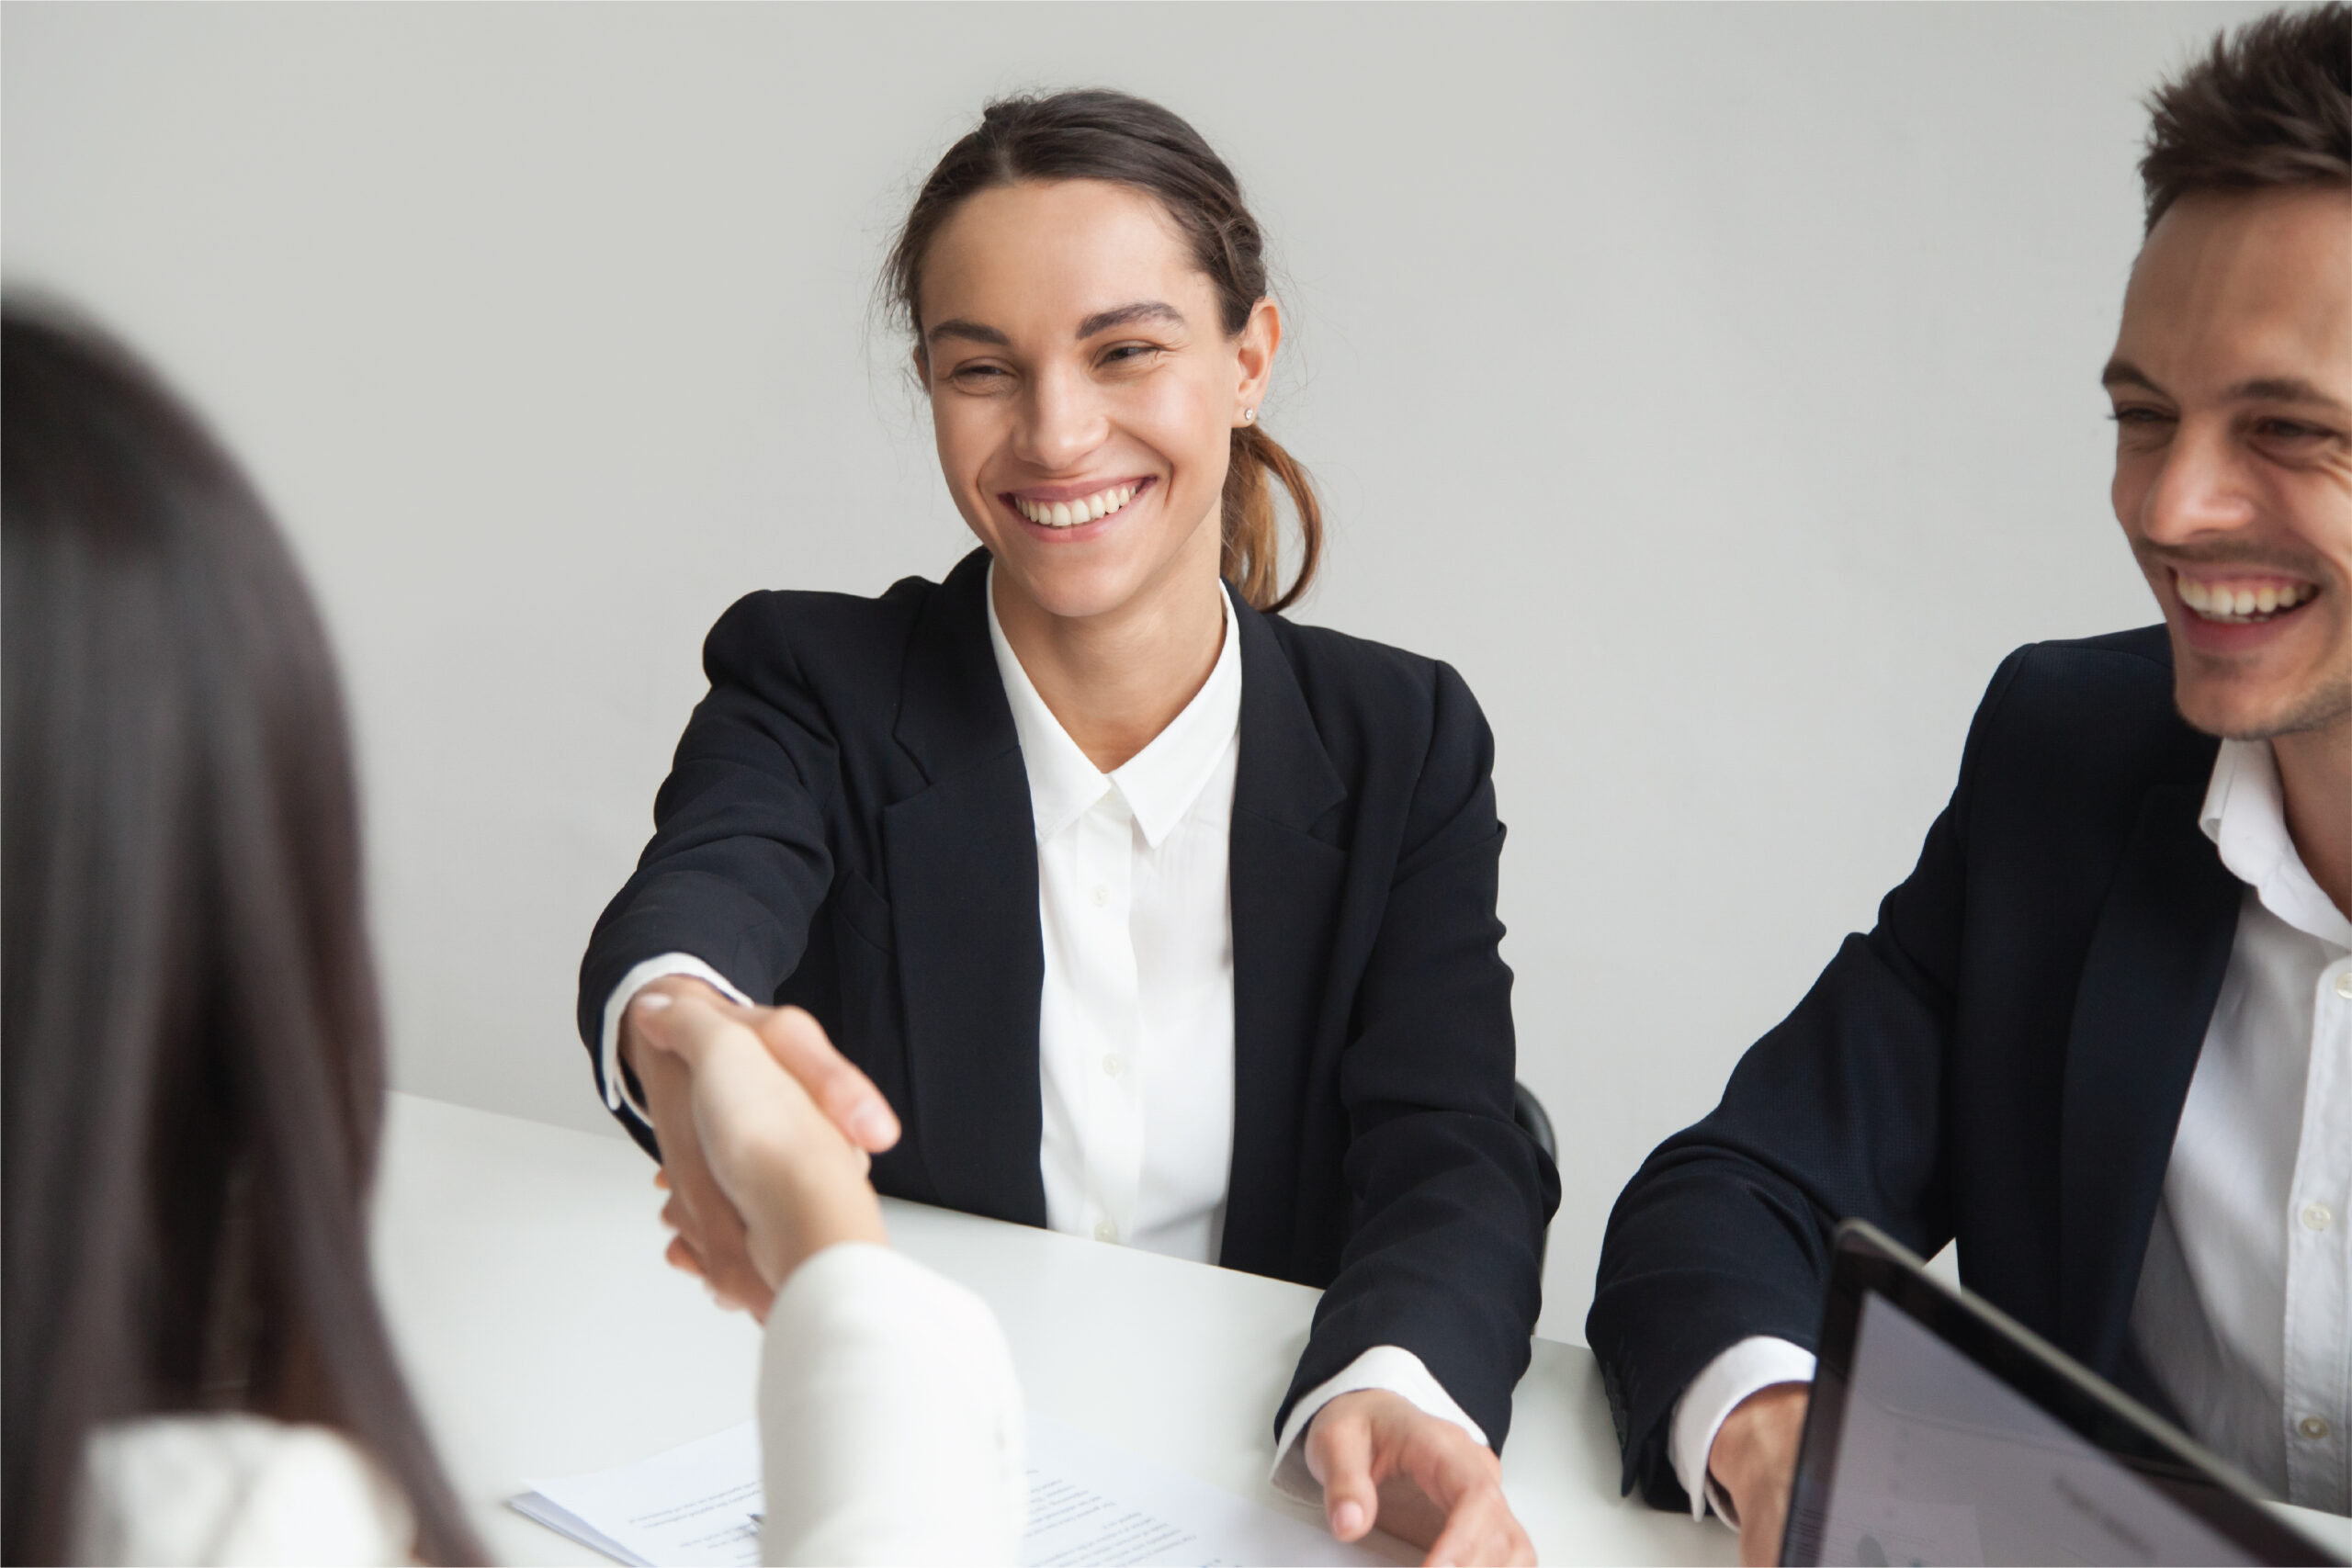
1941	1431
1942	1463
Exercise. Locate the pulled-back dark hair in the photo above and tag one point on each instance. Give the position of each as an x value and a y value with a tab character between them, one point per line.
191	1071
2270	104
1100	135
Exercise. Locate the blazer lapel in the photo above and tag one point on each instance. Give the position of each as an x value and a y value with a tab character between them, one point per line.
1287	868
962	859
2149	980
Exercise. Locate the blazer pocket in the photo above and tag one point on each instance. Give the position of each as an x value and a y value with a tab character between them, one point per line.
862	912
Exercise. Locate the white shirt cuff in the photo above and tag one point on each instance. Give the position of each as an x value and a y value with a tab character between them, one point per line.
608	1055
1388	1367
1754	1364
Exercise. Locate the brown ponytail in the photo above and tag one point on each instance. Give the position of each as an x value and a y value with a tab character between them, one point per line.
1254	530
1102	135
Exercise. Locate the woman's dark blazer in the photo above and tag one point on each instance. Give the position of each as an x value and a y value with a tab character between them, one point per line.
846	827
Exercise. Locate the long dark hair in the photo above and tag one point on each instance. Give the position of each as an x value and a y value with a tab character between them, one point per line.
191	1067
1100	135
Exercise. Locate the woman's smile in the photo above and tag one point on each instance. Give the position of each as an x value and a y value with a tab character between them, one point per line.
1066	509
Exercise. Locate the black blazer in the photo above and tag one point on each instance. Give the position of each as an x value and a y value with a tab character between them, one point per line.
2002	1060
847	827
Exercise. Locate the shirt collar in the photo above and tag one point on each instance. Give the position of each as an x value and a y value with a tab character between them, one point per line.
2246	815
1160	784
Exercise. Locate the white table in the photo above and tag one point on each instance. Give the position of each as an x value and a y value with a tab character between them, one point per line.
521	1265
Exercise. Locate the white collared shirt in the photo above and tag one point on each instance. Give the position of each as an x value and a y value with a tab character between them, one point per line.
2244	1307
1135	1019
1135	1022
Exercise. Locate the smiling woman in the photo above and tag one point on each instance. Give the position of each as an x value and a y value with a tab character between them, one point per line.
1158	174
1086	890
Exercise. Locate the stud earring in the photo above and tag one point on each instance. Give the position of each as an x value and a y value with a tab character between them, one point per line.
1249	416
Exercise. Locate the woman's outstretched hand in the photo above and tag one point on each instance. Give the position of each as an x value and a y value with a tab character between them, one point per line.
1383	1460
764	1130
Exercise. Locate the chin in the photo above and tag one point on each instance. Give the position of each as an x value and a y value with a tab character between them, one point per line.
2251	709
1072	590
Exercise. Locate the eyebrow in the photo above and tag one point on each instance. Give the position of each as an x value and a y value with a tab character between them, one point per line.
2262	390
956	326
1142	310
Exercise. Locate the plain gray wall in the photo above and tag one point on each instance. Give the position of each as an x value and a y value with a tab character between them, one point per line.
1715	387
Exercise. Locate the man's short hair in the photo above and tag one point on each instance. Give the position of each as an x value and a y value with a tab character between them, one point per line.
2270	105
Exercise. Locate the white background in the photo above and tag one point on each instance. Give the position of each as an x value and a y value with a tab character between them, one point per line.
1715	387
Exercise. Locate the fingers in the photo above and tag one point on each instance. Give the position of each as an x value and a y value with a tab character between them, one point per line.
1339	1454
1754	1458
1759	1544
1420	1478
1462	1481
687	1019
707	1223
847	1097
1480	1527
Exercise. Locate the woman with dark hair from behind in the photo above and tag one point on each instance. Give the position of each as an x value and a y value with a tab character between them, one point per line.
192	1068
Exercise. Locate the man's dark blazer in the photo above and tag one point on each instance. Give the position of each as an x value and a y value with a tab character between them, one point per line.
847	827
2002	1060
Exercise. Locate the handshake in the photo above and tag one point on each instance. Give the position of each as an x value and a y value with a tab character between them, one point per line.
766	1133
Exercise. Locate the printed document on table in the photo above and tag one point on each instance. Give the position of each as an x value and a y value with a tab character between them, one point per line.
693	1505
1091	1502
1096	1503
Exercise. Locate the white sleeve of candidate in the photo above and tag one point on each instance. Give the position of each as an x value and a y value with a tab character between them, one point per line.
1383	1366
608	1049
1749	1366
890	1419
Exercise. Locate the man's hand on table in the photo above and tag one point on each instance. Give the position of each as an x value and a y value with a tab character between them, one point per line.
662	1044
1754	1460
1383	1460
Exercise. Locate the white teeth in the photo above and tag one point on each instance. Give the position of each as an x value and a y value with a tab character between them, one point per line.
2241	606
1070	513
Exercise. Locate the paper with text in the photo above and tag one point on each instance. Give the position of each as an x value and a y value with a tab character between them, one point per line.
1090	1503
1093	1503
693	1505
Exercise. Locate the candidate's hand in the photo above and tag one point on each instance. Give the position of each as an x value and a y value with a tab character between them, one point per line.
1383	1461
710	1240
1754	1460
793	1183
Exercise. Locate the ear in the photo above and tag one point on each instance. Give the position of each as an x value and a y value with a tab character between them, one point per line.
1261	335
923	365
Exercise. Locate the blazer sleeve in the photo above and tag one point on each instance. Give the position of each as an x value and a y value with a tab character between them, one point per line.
739	863
1451	1199
1727	1229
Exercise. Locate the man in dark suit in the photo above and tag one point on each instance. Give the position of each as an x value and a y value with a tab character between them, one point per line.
2101	1037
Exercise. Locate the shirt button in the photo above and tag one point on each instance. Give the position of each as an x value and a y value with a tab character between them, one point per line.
2344	984
1106	1230
1101	895
2318	1217
1114	1064
2314	1428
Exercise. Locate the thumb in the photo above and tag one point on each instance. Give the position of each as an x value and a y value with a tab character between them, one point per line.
1339	1454
847	1097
